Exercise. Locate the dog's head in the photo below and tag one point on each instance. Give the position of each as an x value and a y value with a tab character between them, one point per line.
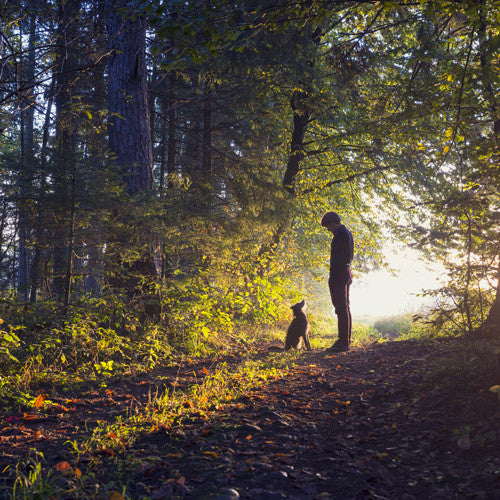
299	307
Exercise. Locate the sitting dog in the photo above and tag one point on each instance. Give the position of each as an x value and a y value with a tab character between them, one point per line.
298	329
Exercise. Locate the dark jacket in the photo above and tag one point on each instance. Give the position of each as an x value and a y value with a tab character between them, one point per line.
342	251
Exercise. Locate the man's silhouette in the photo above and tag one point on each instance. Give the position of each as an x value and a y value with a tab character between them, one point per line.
342	250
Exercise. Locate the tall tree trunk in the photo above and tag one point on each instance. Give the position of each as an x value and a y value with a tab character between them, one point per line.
27	159
65	136
301	118
41	201
129	124
96	146
172	126
488	78
206	153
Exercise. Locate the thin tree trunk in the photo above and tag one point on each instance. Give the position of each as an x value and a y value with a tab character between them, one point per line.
206	154
41	202
71	235
27	161
468	277
97	145
65	137
172	126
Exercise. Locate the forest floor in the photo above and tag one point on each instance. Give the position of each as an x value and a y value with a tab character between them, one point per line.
366	424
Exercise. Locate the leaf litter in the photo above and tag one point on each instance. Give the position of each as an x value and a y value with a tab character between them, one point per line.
361	424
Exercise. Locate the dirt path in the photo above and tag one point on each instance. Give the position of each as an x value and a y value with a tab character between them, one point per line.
351	425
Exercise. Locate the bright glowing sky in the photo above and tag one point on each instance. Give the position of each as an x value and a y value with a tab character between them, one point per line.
380	293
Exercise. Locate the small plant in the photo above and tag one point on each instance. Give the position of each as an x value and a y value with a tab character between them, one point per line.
32	481
8	341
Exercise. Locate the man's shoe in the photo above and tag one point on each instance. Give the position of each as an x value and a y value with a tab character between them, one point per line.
338	346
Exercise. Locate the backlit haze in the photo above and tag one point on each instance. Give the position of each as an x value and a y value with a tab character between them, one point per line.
381	293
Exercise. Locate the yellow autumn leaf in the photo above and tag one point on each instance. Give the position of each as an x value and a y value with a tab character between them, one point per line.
496	388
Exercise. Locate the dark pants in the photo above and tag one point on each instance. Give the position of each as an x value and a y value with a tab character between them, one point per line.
339	292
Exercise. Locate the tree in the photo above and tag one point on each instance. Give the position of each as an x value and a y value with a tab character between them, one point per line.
129	124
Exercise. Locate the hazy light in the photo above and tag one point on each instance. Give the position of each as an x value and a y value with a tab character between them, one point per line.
381	293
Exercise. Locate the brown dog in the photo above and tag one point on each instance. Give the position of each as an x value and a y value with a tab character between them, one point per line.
298	329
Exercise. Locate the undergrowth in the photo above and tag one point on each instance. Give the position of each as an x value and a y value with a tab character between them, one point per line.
164	410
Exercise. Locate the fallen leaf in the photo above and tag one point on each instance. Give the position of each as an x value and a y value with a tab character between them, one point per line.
40	399
78	473
496	389
63	467
343	403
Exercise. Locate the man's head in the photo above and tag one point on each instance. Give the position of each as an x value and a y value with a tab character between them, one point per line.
330	221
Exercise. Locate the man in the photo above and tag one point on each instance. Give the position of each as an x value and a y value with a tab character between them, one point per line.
342	250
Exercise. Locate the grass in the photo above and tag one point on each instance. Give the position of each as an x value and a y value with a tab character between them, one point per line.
96	448
324	333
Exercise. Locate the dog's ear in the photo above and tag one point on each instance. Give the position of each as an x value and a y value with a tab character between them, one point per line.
302	304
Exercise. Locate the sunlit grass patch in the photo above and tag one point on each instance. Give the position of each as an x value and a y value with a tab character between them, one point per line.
169	407
34	478
324	333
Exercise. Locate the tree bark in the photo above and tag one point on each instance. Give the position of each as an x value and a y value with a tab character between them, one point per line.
129	123
301	118
172	126
65	135
27	161
206	154
491	97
